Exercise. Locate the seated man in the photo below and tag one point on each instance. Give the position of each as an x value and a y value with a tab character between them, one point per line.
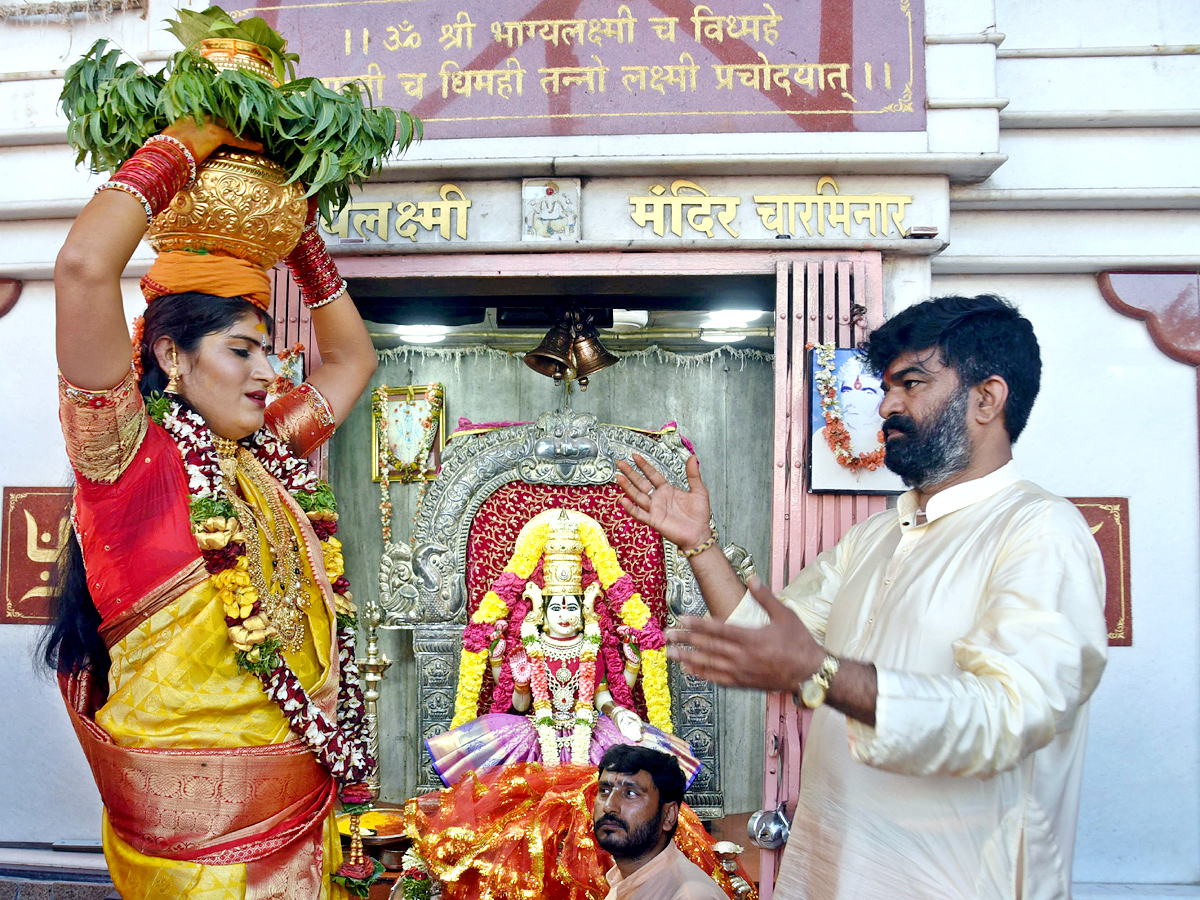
636	811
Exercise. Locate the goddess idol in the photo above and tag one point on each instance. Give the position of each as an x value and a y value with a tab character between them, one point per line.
568	642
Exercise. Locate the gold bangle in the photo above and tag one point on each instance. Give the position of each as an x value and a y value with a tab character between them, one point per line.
132	192
696	551
326	301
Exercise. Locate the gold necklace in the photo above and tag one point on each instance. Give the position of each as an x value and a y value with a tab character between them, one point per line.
284	599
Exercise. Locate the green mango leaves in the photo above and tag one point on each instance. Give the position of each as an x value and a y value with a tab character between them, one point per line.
328	140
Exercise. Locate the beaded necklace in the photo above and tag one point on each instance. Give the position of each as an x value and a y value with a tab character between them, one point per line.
565	713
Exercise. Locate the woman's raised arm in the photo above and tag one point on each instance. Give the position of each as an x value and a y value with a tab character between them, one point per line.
347	355
92	335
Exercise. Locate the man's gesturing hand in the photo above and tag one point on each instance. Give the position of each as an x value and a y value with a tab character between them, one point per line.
776	657
682	517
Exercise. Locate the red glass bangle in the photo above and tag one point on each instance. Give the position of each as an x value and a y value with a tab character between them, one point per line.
154	174
314	270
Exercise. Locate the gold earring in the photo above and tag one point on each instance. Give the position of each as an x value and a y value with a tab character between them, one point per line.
173	375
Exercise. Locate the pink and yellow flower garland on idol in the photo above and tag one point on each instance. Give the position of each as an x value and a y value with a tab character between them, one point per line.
504	601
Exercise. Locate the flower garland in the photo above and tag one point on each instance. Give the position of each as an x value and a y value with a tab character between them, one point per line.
416	881
414	470
391	468
492	608
379	403
503	601
632	610
836	434
340	746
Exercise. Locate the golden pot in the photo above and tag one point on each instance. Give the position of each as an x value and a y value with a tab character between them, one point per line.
226	53
239	205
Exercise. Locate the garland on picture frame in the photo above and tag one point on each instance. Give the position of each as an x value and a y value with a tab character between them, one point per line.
836	435
391	468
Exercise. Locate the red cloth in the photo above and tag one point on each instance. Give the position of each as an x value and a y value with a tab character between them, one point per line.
136	533
523	831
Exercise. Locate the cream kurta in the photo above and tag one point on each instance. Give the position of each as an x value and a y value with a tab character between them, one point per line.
669	876
986	625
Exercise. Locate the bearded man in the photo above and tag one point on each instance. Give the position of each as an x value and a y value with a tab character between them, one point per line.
948	646
638	793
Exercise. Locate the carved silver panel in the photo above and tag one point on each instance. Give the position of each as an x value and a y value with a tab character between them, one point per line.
423	587
436	648
567	449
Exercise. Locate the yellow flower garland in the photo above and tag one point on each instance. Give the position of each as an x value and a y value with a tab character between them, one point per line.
634	613
654	686
492	608
335	564
238	596
234	589
470	683
530	543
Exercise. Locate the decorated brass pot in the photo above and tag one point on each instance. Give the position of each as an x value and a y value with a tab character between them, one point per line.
239	205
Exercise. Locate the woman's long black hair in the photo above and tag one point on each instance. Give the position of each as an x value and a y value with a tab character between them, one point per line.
73	643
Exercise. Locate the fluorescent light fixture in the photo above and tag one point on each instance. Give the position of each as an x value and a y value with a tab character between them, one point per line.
732	318
421	334
629	319
713	336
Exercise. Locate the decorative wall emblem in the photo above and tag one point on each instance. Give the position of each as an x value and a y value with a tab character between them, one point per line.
567	449
550	209
36	526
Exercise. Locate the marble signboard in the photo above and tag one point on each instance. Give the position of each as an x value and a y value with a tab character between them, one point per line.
526	68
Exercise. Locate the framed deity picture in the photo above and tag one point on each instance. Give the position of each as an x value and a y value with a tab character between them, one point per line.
408	431
845	448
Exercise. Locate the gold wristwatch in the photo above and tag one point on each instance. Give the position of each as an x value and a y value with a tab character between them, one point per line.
812	692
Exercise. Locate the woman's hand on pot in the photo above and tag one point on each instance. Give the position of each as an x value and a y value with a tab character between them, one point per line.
203	139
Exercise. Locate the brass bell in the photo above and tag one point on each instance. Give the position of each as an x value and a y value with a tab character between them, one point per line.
552	357
590	355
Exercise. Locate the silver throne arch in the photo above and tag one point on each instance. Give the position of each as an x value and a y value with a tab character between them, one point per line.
423	587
